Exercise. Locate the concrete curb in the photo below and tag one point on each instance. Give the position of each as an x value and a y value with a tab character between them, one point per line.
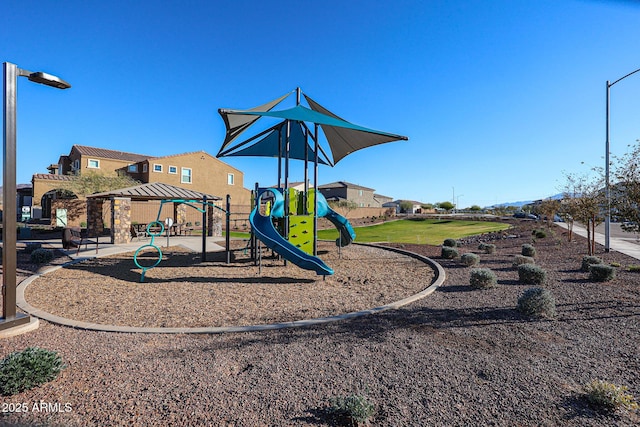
438	280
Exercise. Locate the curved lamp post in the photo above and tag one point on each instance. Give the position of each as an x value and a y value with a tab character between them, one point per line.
9	317
607	219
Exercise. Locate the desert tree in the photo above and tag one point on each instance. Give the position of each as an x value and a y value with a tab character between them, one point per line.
625	193
548	208
447	206
583	200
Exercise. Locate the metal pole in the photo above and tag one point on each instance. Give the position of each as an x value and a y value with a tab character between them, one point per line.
315	195
205	208
228	239
9	222
607	219
607	190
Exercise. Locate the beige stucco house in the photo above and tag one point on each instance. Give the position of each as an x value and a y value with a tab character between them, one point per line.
196	171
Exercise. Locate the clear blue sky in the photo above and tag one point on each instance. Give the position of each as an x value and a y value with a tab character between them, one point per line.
499	98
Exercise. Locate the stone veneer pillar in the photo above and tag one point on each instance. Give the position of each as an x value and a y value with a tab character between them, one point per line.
180	213
95	223
214	221
120	220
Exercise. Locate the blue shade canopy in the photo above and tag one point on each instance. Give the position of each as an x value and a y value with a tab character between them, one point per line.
272	145
342	136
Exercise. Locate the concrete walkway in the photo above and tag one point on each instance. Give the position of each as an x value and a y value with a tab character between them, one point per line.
627	245
193	243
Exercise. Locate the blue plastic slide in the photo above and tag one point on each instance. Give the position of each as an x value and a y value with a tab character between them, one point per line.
263	227
347	235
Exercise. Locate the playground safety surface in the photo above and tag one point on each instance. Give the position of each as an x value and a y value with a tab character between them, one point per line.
184	292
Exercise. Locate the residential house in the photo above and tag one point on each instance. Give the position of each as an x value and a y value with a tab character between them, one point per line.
196	171
416	207
341	190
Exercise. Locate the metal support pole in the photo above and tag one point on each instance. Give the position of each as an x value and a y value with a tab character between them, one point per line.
205	208
9	223
607	219
607	189
228	236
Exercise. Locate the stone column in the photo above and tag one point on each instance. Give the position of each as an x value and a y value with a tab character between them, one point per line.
120	220
95	223
214	222
180	213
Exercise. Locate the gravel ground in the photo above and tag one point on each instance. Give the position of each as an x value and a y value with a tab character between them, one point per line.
458	357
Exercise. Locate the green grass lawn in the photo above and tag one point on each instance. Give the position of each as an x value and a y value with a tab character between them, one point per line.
427	231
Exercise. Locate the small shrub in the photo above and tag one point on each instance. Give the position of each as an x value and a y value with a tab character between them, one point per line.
449	252
32	246
41	256
531	274
356	409
483	278
537	302
539	234
24	370
521	259
487	248
633	268
588	260
609	396
616	264
601	272
470	259
451	243
528	250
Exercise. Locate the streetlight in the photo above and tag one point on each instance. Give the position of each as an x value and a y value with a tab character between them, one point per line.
607	218
9	317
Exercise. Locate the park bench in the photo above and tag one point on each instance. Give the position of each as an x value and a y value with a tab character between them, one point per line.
77	238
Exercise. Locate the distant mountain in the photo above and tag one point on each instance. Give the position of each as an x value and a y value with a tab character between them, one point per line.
524	202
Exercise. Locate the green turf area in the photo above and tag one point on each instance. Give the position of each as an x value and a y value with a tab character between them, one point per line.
427	231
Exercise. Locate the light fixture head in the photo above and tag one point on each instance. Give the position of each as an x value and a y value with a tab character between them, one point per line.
49	80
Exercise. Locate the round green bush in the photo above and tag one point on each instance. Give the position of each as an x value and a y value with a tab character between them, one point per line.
450	243
539	233
521	259
469	259
528	250
601	273
531	274
449	252
537	302
24	370
41	256
588	261
482	278
487	248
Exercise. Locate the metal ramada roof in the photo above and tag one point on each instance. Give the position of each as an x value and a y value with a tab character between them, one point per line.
155	191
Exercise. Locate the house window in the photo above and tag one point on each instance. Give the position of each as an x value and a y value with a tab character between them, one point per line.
144	168
93	164
230	179
157	167
359	192
59	168
133	168
76	164
173	170
186	176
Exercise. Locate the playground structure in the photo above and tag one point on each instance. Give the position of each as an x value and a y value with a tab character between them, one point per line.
156	229
285	219
296	240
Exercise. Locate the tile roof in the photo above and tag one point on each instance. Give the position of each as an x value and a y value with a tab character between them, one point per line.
109	154
53	177
339	184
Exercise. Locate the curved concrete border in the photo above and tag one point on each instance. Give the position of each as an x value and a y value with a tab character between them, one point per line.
439	277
